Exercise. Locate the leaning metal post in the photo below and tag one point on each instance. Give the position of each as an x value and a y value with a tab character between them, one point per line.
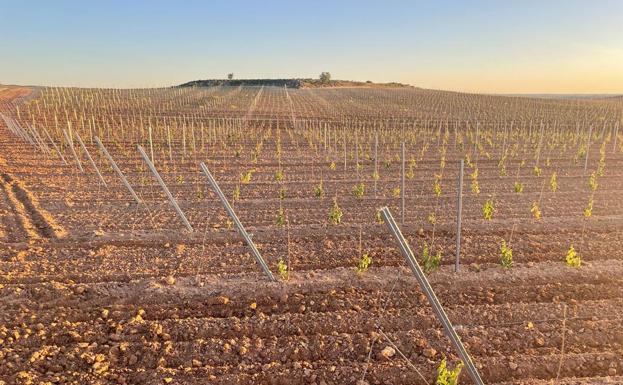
117	170
39	143
73	150
430	294
17	130
164	187
234	217
97	170
54	145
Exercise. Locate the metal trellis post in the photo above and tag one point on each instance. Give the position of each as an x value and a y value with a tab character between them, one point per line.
234	217
164	187
84	148
73	150
432	298
117	170
459	209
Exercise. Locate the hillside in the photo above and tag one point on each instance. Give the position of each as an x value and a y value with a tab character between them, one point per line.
290	83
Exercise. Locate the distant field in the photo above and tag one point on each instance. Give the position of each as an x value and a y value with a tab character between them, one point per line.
568	96
289	83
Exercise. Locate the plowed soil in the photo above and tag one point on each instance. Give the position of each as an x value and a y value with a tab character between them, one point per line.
95	289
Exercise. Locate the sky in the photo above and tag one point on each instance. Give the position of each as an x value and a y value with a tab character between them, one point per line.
502	46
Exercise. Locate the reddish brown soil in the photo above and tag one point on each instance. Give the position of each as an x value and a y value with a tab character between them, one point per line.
95	289
8	94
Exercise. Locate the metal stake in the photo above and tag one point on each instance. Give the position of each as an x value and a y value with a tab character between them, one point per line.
73	150
402	187
54	145
40	143
17	130
376	160
84	148
588	146
164	187
117	170
459	209
151	145
616	136
432	298
234	217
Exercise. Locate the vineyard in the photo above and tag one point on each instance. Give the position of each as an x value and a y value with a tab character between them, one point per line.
119	263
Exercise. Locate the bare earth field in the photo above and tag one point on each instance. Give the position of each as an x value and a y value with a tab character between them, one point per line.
97	289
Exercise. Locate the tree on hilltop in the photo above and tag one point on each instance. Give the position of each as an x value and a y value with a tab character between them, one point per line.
325	78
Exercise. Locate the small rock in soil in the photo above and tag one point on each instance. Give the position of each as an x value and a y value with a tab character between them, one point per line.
429	353
170	280
388	352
